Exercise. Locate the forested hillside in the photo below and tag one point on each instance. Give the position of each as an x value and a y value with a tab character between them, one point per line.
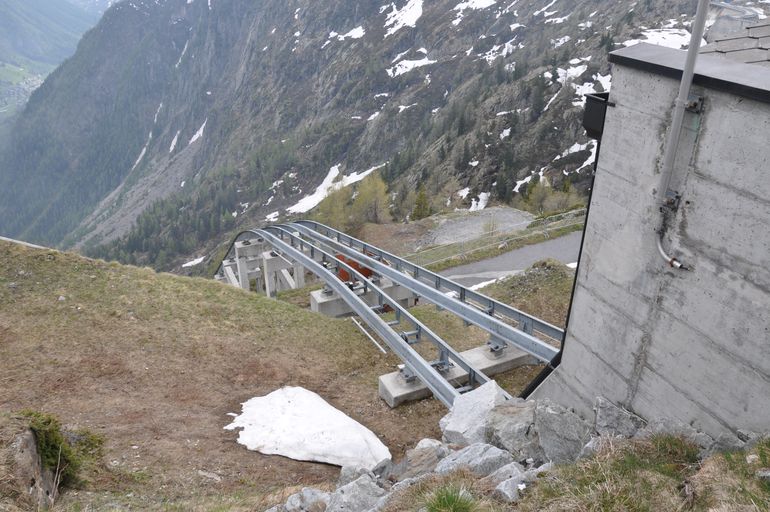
177	122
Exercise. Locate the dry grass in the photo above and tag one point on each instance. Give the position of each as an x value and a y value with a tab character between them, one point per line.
421	495
154	362
658	474
544	290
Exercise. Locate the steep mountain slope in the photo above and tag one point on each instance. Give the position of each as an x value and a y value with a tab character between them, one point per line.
35	36
93	6
206	115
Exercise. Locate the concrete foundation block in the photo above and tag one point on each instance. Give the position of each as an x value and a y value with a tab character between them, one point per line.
396	391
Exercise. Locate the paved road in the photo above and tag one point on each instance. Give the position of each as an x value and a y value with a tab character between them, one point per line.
564	249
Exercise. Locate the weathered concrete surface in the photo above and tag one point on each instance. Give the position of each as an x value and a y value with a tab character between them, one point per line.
662	343
395	390
335	306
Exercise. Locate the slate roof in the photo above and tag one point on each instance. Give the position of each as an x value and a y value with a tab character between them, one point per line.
750	47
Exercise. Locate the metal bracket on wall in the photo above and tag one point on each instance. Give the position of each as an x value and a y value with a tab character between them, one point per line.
694	104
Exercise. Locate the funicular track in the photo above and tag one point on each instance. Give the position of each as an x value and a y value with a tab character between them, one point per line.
328	254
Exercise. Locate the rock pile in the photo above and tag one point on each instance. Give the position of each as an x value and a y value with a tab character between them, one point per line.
507	444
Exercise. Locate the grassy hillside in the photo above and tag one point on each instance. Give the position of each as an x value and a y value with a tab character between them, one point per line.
154	362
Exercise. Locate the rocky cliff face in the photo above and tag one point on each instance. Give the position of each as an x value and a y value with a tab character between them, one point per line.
207	114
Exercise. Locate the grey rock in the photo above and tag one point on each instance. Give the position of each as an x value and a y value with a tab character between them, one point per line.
562	433
726	442
307	500
596	444
674	427
210	475
409	482
763	474
420	460
383	473
277	508
512	470
466	422
531	475
615	421
511	427
397	488
359	495
429	443
350	473
508	490
479	458
27	466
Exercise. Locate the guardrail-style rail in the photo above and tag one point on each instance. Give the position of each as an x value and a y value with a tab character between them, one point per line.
490	306
503	332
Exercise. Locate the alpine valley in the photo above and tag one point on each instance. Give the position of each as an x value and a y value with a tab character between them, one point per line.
177	122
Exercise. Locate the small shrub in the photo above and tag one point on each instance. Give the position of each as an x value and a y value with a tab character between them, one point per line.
450	498
55	452
64	453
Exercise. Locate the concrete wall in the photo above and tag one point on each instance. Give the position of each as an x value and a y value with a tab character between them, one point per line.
693	346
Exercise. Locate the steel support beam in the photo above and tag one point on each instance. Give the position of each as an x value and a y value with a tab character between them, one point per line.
437	281
483	319
295	248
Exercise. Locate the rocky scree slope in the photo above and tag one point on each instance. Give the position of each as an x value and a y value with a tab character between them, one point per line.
178	121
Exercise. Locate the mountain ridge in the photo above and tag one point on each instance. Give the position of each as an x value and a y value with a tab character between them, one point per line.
474	95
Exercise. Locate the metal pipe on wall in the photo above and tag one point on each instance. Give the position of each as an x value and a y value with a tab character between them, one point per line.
670	200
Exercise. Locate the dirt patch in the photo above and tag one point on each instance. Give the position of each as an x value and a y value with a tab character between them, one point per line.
399	239
462	226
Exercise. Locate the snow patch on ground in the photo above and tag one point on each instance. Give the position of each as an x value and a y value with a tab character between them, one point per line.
143	152
557	21
272	217
522	182
329	185
676	38
558	42
407	16
184	50
470	4
299	424
196	261
199	133
173	142
481	203
506	133
500	50
406	66
540	11
482	284
356	33
463	193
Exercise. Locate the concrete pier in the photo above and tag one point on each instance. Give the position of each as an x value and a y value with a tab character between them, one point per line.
396	391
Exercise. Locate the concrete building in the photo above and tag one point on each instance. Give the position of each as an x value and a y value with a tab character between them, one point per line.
689	345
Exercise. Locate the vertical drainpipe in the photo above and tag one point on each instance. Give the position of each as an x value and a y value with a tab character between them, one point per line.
670	199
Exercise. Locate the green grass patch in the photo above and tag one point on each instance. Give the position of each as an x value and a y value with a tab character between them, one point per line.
450	498
65	455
